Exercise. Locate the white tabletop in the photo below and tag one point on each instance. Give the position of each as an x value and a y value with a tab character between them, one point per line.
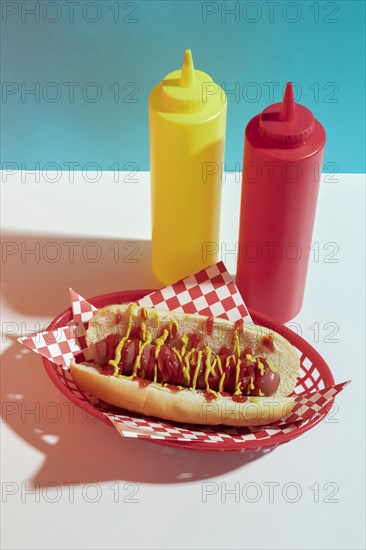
69	482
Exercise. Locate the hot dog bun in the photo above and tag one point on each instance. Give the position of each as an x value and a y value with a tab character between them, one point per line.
186	405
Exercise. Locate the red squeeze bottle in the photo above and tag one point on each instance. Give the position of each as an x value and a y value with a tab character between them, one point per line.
283	156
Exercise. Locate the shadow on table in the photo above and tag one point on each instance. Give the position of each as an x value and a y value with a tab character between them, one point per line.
39	269
77	448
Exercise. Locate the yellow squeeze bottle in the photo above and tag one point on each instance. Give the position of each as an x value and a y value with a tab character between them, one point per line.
187	123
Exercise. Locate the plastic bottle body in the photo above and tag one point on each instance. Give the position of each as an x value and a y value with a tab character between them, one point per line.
279	195
186	156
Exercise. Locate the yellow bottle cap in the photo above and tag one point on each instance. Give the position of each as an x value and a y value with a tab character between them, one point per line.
187	90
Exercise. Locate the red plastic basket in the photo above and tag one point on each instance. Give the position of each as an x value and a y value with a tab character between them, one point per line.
315	375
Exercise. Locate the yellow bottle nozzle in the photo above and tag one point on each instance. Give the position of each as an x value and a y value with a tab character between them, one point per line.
187	79
183	90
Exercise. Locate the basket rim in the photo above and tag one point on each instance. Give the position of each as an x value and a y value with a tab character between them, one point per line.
298	341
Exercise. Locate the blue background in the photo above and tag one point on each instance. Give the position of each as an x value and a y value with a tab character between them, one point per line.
318	45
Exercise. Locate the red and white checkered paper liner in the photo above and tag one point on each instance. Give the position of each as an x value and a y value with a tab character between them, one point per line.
61	345
82	310
208	292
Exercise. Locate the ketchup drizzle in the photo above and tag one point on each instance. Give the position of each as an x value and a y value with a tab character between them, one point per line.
252	376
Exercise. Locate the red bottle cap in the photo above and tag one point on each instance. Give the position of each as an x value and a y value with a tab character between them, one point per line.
288	122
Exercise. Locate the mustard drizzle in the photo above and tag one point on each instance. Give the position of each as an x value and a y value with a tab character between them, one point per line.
137	364
185	358
187	367
260	366
196	370
159	342
115	362
184	344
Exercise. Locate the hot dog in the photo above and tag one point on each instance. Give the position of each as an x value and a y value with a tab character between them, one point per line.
188	368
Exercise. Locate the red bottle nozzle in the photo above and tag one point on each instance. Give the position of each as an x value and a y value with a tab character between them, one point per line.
287	111
288	122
